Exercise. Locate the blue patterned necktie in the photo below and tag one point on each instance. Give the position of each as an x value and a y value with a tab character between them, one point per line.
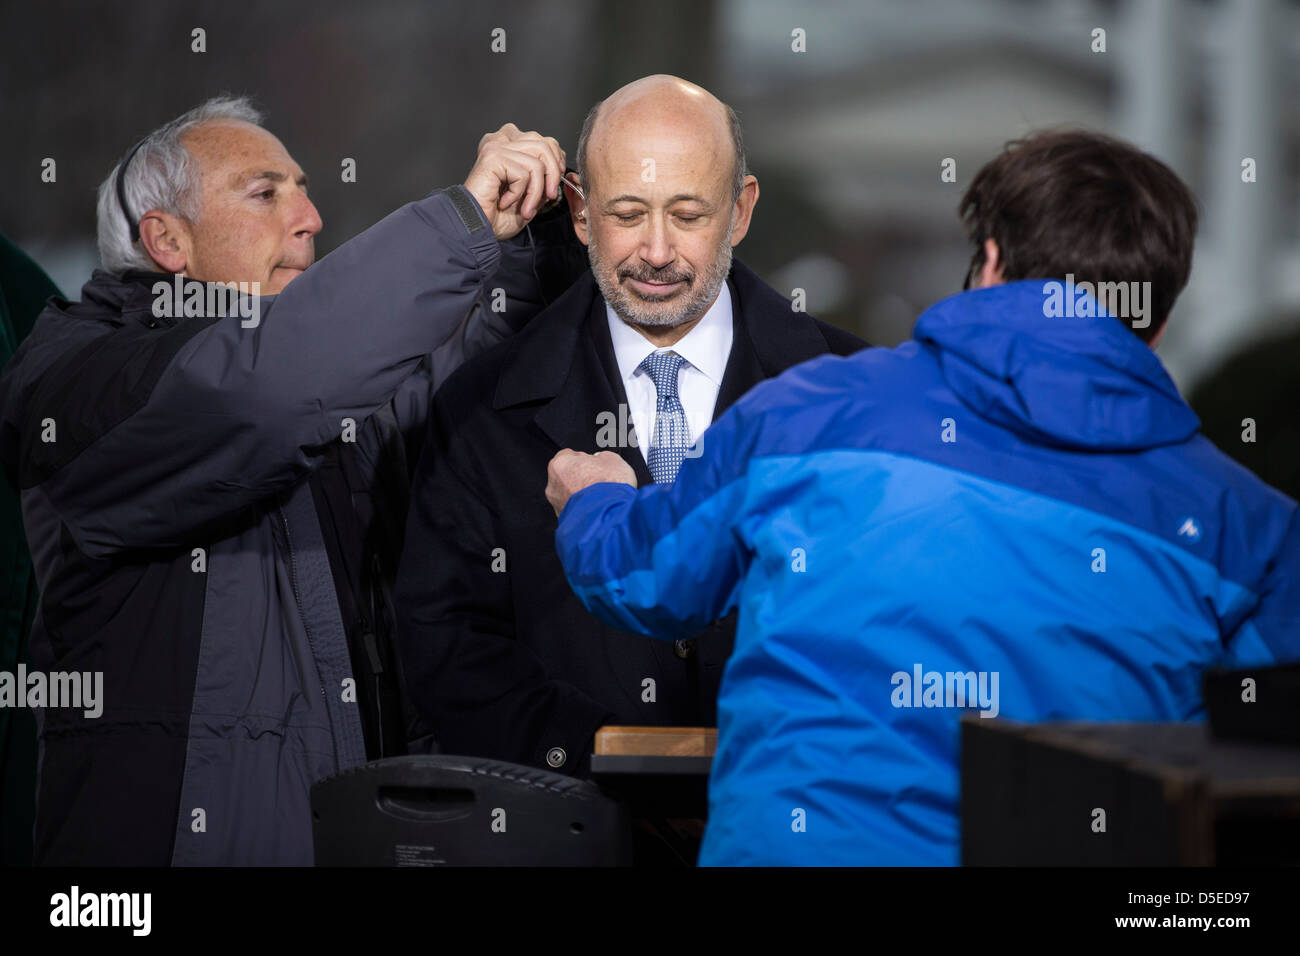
671	439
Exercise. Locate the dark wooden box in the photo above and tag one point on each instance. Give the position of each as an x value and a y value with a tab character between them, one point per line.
1172	795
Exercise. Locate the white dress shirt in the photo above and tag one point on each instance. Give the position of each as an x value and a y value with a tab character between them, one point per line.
705	349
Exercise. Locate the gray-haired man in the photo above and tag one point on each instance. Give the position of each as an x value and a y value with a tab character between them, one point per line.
215	501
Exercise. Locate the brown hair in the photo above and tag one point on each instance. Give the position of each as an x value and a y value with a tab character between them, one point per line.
1088	205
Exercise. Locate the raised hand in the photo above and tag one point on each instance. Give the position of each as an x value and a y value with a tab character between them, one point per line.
515	175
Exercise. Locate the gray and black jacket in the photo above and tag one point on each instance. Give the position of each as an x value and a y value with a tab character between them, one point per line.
215	512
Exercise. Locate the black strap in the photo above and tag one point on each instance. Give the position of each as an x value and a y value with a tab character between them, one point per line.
121	191
466	208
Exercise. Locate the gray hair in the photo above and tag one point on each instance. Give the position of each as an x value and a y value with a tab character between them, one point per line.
737	141
161	175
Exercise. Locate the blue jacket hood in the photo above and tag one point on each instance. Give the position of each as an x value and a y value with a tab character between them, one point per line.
1086	383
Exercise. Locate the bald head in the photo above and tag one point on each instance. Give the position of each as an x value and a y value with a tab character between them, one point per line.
665	119
667	198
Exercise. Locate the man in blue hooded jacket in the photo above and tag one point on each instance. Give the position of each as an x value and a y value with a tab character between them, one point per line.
1013	512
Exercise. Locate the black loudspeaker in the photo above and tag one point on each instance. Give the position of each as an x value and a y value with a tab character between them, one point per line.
1079	794
465	811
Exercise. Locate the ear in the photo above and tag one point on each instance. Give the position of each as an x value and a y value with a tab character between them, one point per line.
166	240
744	209
577	209
991	273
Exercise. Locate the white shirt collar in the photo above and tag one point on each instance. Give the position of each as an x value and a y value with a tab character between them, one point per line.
706	346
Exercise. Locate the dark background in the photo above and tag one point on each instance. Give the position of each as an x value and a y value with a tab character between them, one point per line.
846	139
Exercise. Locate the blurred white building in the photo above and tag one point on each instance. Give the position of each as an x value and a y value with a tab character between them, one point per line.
886	91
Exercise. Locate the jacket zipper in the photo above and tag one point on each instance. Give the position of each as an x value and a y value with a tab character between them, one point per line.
297	596
371	642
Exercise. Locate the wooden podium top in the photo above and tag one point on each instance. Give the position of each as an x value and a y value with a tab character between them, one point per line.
656	741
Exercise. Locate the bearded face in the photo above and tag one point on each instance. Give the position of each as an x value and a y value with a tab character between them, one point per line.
664	297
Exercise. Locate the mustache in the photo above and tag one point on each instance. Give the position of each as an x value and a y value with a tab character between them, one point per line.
649	274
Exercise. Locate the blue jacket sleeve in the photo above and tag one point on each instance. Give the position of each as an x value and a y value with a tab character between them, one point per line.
666	560
1271	633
